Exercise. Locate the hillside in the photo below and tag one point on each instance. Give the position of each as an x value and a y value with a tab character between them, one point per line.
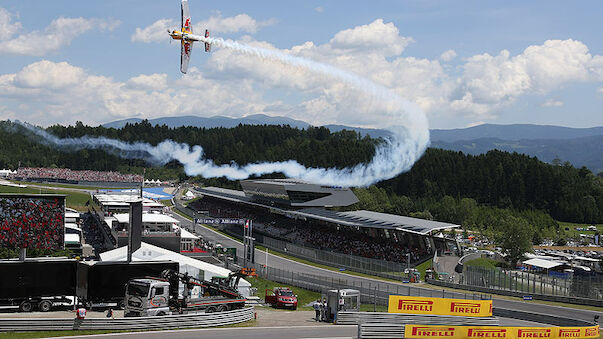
579	146
501	179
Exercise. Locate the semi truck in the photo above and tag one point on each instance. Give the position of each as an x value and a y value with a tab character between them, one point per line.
158	296
37	284
281	297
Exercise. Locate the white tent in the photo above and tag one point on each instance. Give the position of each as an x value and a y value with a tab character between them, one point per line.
542	263
193	267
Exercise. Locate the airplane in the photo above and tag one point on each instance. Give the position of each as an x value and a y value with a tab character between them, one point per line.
186	37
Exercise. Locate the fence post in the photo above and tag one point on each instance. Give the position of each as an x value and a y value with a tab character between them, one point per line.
375	300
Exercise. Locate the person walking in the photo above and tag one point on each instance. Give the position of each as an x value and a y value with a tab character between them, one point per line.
110	313
317	307
323	310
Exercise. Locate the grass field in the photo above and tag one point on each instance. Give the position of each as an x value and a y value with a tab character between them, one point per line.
482	262
76	200
572	233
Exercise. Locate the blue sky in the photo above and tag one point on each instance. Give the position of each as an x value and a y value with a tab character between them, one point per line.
462	62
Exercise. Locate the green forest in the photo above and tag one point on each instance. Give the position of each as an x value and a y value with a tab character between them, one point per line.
475	191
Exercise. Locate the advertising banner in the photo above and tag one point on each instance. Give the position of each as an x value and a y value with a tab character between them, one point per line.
440	306
465	332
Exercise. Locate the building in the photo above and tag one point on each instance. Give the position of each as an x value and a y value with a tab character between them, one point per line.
120	203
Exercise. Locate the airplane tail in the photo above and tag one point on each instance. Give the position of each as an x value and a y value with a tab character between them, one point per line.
207	44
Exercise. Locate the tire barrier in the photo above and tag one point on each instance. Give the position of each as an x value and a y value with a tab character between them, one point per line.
144	323
389	330
356	318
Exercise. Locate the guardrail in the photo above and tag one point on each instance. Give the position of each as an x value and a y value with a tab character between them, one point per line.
539	318
144	323
558	298
355	318
376	330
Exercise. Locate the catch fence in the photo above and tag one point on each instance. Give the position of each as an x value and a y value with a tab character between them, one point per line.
554	284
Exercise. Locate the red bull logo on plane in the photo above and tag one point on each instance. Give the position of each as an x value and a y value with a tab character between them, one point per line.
433	331
415	305
487	333
465	307
534	333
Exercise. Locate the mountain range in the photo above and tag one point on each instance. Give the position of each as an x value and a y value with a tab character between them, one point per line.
579	146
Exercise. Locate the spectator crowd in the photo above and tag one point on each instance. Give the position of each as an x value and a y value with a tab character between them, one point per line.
66	174
368	243
96	233
31	223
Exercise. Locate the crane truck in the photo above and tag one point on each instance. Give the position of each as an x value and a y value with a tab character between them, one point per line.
160	296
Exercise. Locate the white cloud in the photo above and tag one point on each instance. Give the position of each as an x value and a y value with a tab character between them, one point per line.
60	32
63	93
491	81
157	31
234	24
7	27
552	103
319	9
601	90
374	37
448	55
49	75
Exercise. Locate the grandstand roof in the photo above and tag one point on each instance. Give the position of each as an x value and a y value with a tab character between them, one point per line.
360	218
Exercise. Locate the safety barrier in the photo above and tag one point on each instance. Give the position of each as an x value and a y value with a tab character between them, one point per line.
144	323
376	330
354	318
540	318
418	331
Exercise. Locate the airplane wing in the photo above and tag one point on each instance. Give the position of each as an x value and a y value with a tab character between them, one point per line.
185	55
187	25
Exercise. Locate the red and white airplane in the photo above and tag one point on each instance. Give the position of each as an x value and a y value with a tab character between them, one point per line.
186	37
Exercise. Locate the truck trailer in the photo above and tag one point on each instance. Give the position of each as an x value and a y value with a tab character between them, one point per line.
37	283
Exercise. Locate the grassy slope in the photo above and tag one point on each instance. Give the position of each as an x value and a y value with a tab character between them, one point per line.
482	262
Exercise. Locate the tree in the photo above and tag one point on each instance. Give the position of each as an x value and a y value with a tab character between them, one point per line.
515	238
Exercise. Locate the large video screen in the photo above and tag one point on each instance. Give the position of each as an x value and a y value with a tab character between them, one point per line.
32	221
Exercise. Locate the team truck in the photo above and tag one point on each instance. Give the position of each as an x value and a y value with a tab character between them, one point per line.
281	297
160	296
37	284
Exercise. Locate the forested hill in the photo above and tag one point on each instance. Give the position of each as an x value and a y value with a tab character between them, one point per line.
497	178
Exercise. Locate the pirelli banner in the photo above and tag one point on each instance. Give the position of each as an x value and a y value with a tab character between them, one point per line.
440	306
465	332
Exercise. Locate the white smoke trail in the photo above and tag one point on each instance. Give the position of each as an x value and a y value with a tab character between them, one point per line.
408	142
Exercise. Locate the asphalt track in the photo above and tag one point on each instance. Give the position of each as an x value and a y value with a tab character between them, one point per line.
383	287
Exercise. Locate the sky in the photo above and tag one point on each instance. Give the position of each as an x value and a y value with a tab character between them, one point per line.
463	63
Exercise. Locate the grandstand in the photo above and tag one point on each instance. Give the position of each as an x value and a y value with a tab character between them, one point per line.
68	176
361	233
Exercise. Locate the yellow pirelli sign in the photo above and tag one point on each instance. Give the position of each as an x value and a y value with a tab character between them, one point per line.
466	332
440	306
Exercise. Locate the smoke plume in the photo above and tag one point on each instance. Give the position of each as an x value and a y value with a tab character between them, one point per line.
410	136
